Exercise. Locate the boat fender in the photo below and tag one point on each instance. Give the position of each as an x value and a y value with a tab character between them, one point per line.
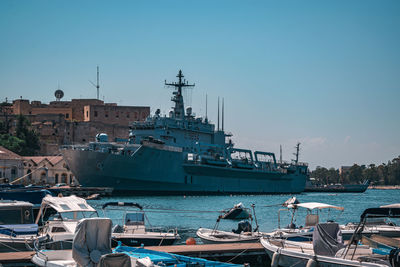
311	263
275	260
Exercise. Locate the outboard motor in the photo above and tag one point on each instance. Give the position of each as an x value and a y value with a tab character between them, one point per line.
243	226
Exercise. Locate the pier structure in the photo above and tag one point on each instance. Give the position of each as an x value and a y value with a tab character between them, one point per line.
239	253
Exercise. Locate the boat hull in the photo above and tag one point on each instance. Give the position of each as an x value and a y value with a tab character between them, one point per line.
137	242
159	170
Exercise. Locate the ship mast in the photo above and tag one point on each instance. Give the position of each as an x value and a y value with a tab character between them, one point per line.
297	152
179	109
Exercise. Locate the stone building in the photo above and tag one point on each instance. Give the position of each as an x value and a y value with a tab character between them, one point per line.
37	170
47	170
74	122
11	165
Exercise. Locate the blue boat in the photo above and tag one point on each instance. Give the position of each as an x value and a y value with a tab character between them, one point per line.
169	259
181	154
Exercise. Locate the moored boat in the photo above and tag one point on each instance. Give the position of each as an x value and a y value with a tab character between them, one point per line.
243	234
134	231
327	248
60	217
18	232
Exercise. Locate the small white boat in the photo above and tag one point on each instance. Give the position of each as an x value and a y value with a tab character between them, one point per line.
211	236
134	231
327	249
302	233
60	216
17	230
244	232
380	226
91	247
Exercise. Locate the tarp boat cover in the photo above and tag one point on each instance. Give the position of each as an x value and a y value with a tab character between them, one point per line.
238	212
18	229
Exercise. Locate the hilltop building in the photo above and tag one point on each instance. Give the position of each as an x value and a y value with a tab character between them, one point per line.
73	122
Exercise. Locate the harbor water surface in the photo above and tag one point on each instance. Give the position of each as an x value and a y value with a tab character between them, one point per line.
188	213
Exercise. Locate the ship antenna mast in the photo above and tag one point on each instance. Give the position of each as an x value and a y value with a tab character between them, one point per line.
280	158
98	84
218	116
206	109
222	114
179	109
297	152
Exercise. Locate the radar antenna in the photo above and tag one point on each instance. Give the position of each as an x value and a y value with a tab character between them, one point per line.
96	85
179	109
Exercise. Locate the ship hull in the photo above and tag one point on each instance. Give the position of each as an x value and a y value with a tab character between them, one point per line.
159	171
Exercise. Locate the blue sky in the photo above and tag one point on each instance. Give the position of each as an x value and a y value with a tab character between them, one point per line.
324	73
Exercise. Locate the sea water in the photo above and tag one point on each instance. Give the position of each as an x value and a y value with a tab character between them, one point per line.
188	213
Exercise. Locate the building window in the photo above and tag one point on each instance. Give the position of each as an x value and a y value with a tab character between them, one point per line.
64	178
87	114
13	172
127	114
95	113
67	115
56	179
106	114
30	174
117	114
43	177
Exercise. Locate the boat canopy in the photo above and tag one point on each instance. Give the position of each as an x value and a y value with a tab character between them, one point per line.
381	212
67	204
123	204
314	205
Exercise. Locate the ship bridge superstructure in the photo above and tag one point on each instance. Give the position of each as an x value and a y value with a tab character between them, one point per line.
179	128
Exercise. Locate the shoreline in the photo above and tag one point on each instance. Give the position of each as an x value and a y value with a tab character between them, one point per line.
384	187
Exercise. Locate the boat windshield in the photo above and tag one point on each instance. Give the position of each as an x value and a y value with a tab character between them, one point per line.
76	215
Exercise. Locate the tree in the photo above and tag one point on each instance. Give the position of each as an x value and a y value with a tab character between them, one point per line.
24	142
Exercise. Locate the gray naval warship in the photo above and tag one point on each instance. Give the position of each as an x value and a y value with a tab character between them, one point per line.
181	154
